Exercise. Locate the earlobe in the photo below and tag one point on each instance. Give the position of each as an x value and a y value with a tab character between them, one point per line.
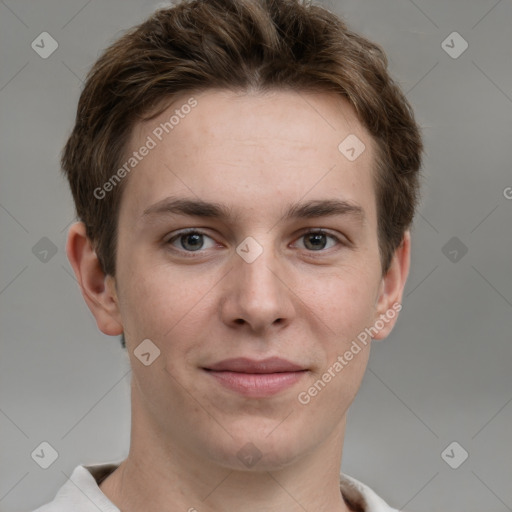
97	288
389	302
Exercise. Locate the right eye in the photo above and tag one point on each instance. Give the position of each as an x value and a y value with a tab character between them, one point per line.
189	240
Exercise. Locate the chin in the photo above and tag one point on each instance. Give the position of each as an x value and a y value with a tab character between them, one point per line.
254	449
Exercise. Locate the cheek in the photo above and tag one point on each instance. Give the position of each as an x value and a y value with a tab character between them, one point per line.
163	304
346	306
345	301
151	301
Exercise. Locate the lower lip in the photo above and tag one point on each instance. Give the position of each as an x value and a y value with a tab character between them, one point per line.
256	385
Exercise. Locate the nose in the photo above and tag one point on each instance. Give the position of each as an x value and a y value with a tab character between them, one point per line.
259	293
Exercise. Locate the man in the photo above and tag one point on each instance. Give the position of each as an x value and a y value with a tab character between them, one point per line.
271	139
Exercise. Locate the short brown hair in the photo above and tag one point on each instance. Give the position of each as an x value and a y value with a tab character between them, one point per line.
238	45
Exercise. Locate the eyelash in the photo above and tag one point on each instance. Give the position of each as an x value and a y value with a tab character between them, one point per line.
193	254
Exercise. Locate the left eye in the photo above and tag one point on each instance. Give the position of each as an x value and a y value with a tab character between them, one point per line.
317	240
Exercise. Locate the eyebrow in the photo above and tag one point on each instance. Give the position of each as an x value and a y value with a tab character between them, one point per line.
307	210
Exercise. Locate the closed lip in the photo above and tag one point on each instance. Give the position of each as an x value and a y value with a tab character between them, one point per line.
247	365
254	378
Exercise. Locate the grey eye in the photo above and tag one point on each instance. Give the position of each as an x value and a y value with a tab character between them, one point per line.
190	241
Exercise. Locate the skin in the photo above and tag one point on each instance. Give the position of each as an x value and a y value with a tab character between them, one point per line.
257	154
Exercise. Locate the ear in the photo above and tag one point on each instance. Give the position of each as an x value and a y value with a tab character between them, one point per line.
98	289
389	300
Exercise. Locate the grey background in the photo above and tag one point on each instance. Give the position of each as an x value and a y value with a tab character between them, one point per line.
444	375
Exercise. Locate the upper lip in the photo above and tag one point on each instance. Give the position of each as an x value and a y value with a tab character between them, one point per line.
246	365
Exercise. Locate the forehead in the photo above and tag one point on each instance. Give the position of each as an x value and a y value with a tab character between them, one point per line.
243	148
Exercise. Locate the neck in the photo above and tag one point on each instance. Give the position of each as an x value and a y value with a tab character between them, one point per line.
159	475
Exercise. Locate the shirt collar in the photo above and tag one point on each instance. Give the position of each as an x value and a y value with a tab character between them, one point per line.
358	496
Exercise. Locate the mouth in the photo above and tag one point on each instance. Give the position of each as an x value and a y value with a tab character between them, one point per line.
256	379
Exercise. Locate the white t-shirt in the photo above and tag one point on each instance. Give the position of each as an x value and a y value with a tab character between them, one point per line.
81	493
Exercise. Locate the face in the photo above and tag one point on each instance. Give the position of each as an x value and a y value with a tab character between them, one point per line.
247	253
